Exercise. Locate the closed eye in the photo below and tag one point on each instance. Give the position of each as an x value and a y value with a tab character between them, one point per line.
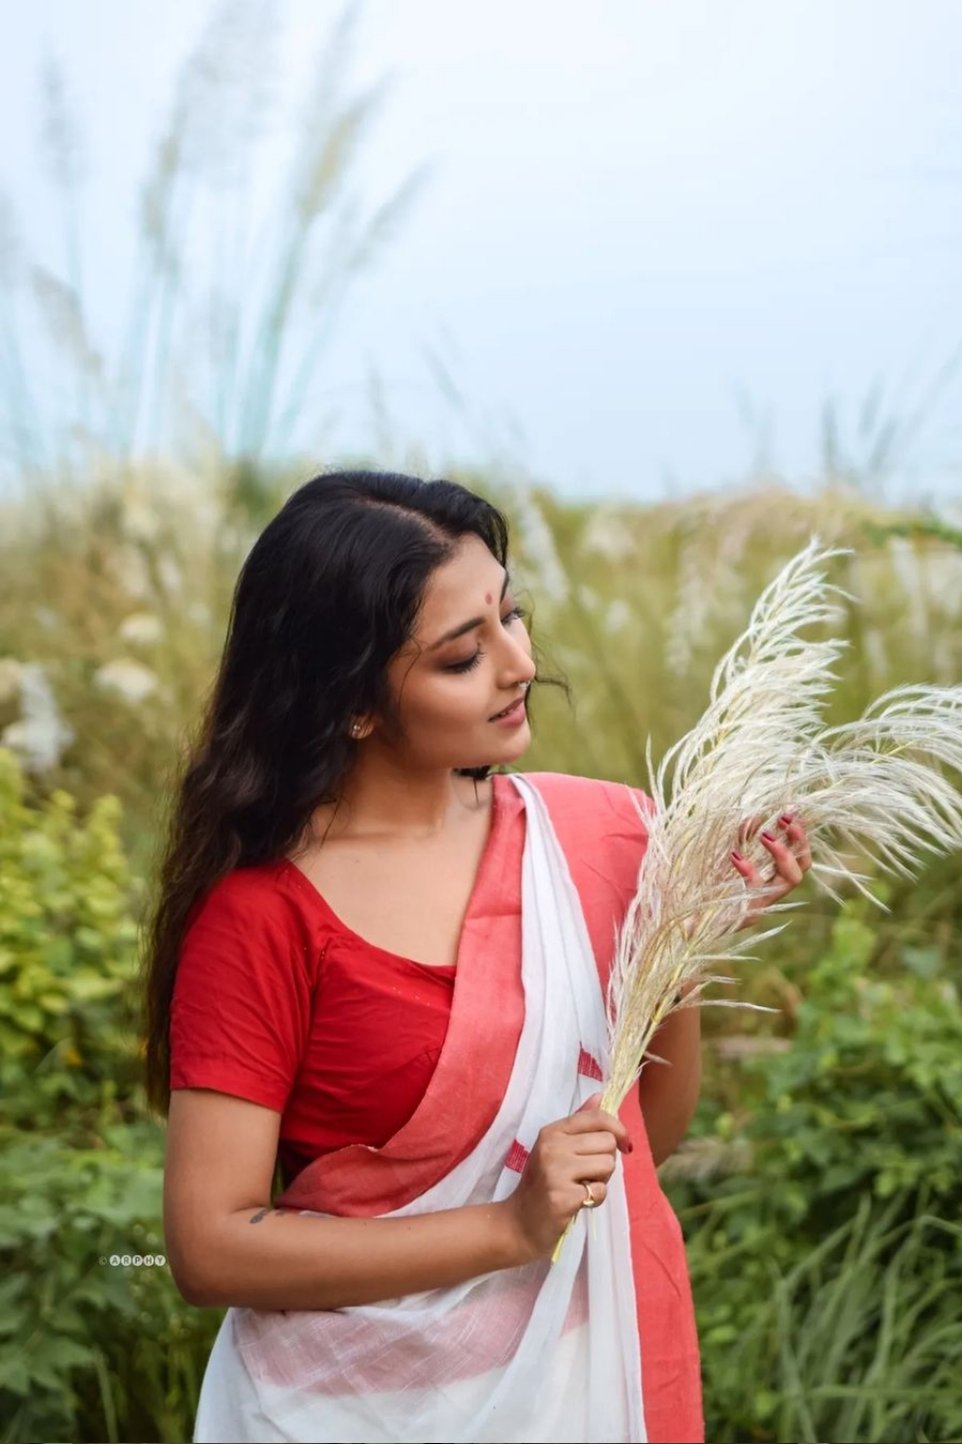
515	614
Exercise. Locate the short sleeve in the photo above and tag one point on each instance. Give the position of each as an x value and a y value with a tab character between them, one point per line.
240	1013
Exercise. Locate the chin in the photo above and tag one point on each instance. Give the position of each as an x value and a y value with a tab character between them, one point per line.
504	754
514	745
513	742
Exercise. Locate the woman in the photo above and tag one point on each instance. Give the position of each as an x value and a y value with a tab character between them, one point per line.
379	964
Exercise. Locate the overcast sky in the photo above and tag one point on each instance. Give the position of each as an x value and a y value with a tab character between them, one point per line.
655	240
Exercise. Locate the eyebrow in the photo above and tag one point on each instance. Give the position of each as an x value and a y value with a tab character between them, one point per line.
468	626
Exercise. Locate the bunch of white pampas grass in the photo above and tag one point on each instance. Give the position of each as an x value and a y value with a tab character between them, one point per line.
872	788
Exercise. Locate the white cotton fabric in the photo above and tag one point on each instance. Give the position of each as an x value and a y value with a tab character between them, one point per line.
547	1352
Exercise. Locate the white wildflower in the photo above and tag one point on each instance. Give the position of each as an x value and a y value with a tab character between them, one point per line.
618	615
171	577
128	567
39	736
199	613
131	680
608	534
143	628
141	521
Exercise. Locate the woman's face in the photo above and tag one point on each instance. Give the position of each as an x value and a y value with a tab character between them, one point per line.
447	689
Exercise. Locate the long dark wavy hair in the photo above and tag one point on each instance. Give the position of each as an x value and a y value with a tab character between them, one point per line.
327	596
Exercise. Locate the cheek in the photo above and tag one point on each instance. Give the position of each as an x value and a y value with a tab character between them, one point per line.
454	700
460	696
430	699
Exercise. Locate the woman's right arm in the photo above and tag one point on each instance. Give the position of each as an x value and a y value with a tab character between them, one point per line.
228	1247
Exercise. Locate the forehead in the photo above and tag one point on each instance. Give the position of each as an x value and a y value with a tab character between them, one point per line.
465	580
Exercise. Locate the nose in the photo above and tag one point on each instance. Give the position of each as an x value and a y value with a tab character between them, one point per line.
525	672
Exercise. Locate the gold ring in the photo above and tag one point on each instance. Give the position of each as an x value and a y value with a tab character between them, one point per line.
590	1200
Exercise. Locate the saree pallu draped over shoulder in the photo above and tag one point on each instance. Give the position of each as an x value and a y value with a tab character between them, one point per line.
544	1352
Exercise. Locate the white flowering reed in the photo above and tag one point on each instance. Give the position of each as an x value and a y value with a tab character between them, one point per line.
39	736
127	678
872	788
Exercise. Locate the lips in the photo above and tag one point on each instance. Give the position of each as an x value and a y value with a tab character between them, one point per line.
513	708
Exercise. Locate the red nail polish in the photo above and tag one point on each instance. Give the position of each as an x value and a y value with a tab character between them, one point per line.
768	837
736	856
786	818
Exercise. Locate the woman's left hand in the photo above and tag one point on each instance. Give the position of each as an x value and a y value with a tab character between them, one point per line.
791	855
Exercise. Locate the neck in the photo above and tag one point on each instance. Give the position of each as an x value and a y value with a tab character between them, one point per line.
382	800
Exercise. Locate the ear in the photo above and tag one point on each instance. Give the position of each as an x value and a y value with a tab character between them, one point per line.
360	728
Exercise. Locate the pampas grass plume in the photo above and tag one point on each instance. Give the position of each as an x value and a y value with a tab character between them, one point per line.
873	788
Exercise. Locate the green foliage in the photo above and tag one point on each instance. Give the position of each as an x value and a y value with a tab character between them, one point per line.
828	1278
871	1094
67	958
88	1349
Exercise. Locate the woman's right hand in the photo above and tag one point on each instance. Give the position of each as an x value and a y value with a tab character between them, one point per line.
567	1154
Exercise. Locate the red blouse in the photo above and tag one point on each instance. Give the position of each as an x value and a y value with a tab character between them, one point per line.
279	1002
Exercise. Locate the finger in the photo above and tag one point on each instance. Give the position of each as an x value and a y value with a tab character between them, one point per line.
599	1192
763	888
747	869
797	839
595	1120
594	1165
786	864
600	1142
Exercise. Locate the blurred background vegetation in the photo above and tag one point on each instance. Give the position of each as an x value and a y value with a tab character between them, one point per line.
819	1189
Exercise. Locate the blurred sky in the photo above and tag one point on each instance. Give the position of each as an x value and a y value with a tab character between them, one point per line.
655	240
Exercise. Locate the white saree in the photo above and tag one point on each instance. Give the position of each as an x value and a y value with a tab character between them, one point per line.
540	1353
